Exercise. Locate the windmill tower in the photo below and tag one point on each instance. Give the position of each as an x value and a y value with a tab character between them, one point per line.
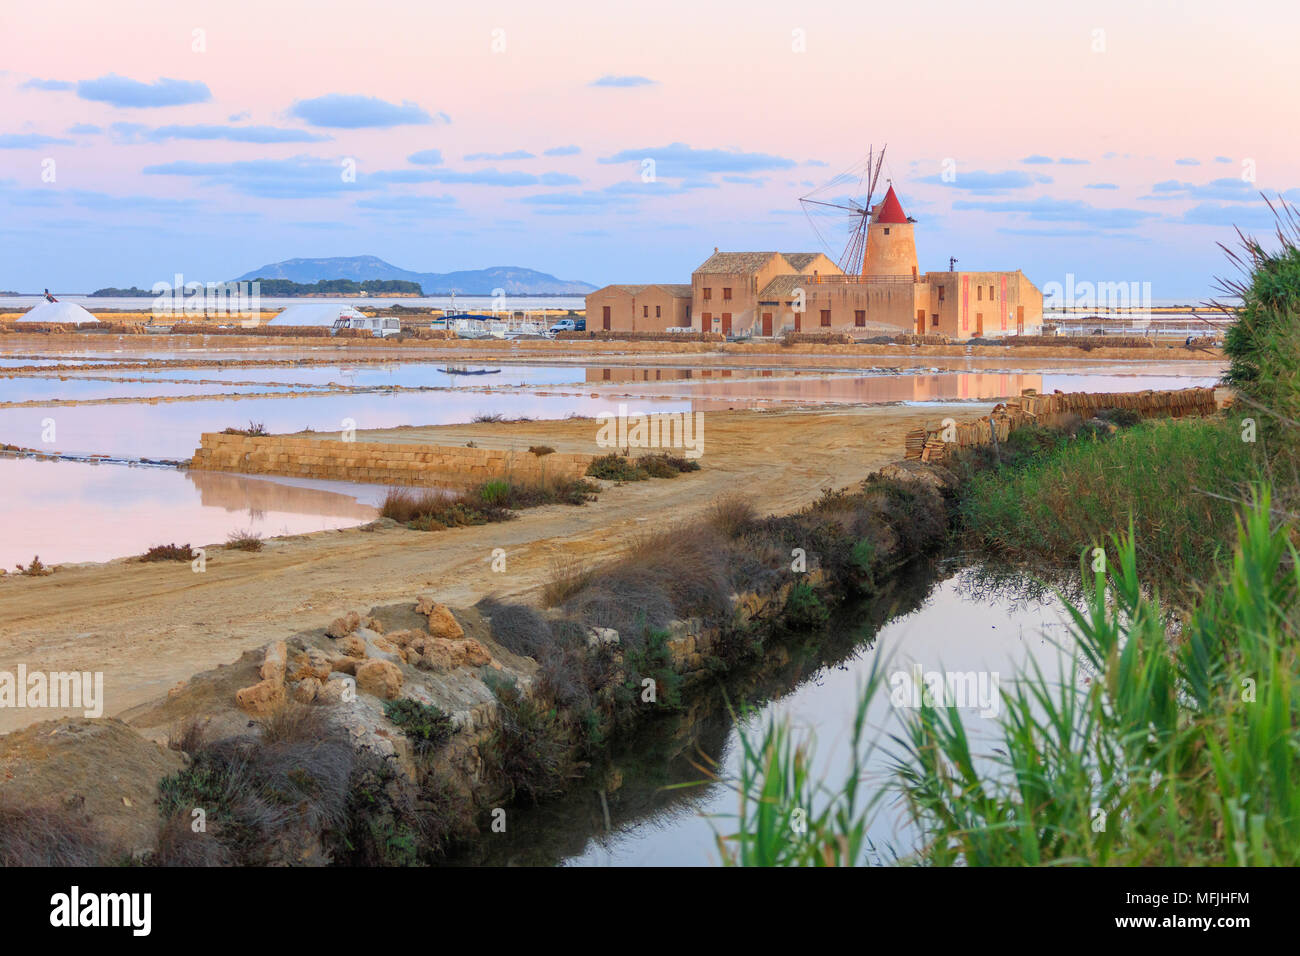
891	245
880	239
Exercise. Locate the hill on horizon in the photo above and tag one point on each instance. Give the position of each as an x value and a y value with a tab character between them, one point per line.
515	280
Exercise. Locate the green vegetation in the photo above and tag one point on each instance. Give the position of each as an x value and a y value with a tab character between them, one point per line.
285	288
254	430
497	499
169	552
1174	481
615	467
424	725
244	540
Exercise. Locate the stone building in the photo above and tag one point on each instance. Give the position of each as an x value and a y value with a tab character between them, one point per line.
765	293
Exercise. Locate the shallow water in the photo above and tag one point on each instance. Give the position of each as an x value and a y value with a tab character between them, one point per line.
635	821
72	511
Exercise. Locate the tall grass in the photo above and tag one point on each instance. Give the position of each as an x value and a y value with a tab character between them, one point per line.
1179	749
1174	481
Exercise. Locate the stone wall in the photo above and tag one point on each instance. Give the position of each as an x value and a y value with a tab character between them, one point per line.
933	442
378	462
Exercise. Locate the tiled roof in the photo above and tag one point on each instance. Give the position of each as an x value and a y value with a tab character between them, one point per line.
800	260
672	288
781	288
677	289
736	263
630	289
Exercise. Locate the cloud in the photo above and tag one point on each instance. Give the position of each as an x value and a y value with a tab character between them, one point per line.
125	92
1187	162
52	85
561	204
610	79
476	177
745	180
239	117
127	132
562	151
235	134
102	202
301	177
1228	188
1217	214
426	157
30	141
1101	186
1046	209
678	161
348	111
984	182
84	129
660	187
422	205
1036	160
499	157
1222	159
1073	161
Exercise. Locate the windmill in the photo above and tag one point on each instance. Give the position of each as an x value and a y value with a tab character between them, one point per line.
860	177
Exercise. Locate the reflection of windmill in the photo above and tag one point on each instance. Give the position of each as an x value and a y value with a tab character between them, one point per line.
859	177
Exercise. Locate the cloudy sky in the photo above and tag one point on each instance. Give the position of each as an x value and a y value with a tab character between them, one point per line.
1118	141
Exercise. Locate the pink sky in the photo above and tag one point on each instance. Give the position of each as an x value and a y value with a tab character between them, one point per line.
985	85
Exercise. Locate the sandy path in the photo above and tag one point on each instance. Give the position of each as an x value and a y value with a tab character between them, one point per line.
149	626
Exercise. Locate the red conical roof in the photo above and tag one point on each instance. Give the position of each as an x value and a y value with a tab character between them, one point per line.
890	210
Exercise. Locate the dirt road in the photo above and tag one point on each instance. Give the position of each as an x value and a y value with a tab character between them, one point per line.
149	626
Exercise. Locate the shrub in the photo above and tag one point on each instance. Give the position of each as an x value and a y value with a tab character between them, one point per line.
615	467
541	450
730	515
568	576
34	569
50	836
168	552
244	541
424	725
530	752
254	430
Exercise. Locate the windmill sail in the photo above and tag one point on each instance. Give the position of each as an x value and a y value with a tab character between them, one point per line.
843	205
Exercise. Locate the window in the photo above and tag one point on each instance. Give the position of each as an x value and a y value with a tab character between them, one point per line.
826	318
657	313
940	293
645	311
726	294
708	293
991	295
860	318
688	314
934	318
979	293
886	230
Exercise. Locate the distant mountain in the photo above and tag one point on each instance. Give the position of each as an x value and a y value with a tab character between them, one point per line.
514	279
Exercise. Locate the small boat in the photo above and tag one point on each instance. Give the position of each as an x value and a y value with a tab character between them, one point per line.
467	371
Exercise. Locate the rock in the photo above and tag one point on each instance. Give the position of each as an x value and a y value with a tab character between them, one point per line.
345	665
353	646
336	689
312	662
381	678
442	624
440	654
343	626
374	624
274	664
424	605
262	698
382	649
306	690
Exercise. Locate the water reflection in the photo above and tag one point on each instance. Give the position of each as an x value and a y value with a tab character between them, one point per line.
623	815
71	511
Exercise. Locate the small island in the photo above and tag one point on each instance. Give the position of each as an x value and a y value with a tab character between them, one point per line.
288	289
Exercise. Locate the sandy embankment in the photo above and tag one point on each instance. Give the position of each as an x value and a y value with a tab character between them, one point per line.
148	626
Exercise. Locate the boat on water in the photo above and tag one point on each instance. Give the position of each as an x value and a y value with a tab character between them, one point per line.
459	370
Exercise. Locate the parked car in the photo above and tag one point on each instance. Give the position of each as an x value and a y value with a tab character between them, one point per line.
569	325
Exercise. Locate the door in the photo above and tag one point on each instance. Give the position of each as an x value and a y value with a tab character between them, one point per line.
726	323
920	321
979	324
767	324
798	321
604	318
